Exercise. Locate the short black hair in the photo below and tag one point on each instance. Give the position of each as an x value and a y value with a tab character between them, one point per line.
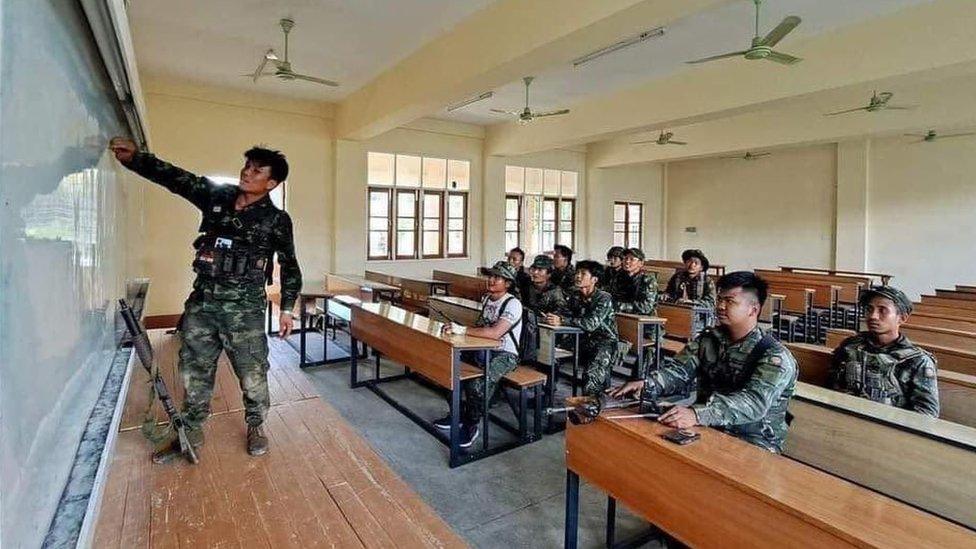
564	251
519	251
616	251
270	158
749	282
595	268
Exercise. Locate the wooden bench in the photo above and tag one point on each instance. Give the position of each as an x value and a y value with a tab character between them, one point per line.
951	302
525	380
884	277
956	294
359	287
949	358
713	269
943	337
943	321
944	310
965	288
466	286
850	286
957	392
796	309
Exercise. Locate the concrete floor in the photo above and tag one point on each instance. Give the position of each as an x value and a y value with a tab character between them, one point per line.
513	499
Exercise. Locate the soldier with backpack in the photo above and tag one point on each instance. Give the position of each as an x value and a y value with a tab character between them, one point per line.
501	319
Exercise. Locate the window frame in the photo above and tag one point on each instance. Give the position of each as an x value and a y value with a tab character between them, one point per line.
441	221
447	224
389	223
396	222
627	223
518	198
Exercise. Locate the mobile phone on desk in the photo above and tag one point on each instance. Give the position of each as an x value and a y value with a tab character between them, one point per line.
681	437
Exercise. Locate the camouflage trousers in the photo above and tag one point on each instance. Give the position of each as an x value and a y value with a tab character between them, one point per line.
598	359
475	390
208	327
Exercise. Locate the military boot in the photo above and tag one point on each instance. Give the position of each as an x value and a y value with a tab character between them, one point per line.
257	443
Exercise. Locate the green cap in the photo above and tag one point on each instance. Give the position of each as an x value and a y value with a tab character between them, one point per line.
901	301
636	252
503	269
542	261
616	251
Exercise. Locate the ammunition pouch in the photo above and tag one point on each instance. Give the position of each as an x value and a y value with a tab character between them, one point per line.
230	259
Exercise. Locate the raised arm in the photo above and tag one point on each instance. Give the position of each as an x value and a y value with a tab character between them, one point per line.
194	188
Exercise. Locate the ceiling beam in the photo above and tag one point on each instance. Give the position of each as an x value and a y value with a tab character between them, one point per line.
498	45
913	40
943	98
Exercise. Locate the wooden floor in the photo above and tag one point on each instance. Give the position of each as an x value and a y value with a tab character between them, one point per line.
321	485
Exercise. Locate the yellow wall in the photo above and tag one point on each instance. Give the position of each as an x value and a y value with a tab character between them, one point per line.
634	183
206	133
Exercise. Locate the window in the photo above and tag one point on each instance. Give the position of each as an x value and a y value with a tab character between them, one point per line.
417	206
628	224
540	208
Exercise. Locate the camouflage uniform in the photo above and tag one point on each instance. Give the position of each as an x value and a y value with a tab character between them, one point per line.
751	406
565	279
609	280
499	362
635	294
700	289
898	374
550	299
599	352
226	312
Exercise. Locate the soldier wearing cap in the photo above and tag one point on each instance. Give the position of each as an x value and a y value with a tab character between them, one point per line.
542	296
615	261
691	284
635	291
516	256
881	364
591	310
501	319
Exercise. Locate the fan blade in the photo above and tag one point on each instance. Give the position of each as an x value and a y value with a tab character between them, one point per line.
550	113
510	113
644	142
782	58
676	143
716	57
307	78
900	107
785	27
260	69
846	111
914	135
950	136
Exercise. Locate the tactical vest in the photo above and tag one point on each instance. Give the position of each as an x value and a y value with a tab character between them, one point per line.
229	250
875	375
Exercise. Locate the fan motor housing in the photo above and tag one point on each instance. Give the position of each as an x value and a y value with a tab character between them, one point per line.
758	52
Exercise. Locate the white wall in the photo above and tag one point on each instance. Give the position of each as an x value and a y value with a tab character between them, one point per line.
633	183
922	212
776	210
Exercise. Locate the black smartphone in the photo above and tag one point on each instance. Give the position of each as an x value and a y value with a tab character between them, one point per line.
681	436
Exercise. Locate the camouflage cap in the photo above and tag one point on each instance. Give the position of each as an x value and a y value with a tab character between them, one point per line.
690	253
901	301
503	269
542	261
616	251
636	252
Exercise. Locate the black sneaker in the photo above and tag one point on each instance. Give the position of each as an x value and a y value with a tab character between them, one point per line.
444	423
469	433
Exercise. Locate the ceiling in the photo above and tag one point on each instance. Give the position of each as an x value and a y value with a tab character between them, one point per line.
726	28
351	41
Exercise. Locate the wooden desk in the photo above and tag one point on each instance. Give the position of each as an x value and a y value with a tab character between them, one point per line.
549	357
462	285
358	286
333	306
416	342
641	332
966	288
449	308
943	321
951	302
949	358
724	492
944	310
957	294
883	276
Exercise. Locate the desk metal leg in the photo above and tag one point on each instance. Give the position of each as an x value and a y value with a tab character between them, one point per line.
302	318
572	509
611	521
353	364
455	442
485	402
576	364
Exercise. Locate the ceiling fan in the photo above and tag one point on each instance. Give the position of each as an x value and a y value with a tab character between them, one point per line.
748	156
762	48
282	68
526	115
664	139
878	102
932	135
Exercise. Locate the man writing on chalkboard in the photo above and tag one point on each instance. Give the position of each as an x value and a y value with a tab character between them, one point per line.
241	230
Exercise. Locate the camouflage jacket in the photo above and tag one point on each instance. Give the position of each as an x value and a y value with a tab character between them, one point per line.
565	279
593	314
609	280
550	299
212	199
699	290
898	374
748	404
635	294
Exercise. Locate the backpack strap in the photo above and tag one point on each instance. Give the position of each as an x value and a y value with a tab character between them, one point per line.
511	328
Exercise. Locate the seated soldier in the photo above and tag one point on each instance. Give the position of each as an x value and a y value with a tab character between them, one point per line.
615	260
591	310
634	291
542	296
881	364
691	284
563	274
516	256
743	378
501	316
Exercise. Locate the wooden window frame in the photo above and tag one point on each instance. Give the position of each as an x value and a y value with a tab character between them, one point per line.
518	218
464	224
389	223
442	223
396	225
572	221
627	222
